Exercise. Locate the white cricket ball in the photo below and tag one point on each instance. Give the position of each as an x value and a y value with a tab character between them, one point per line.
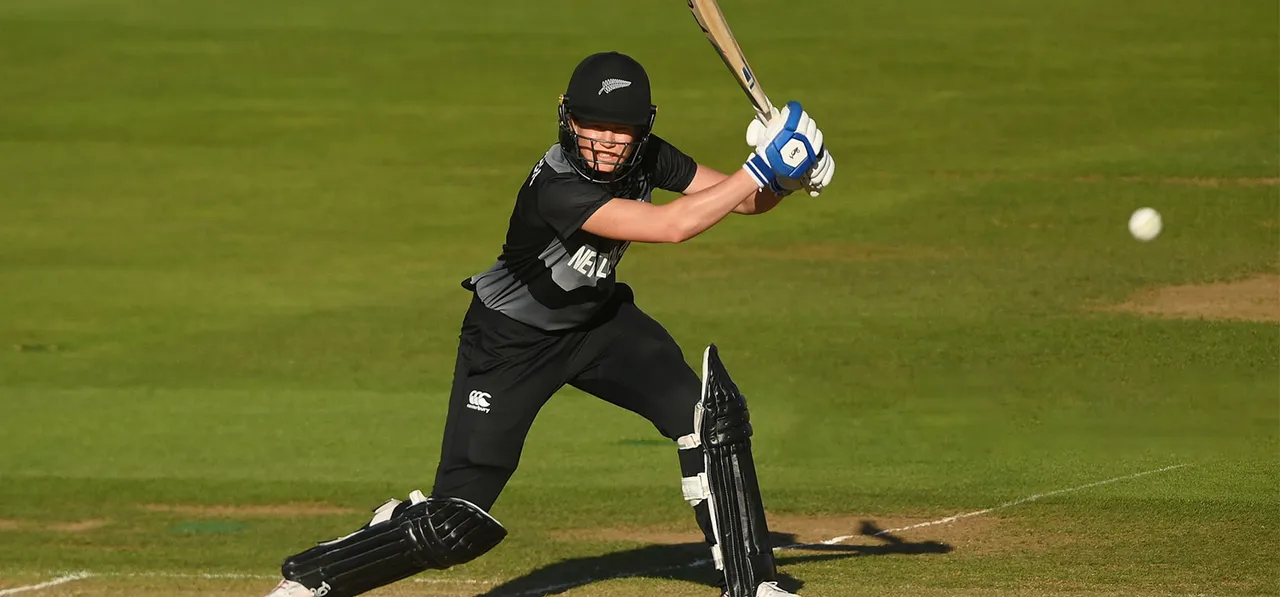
1145	224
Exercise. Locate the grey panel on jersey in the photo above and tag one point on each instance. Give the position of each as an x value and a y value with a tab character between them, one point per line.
551	274
590	265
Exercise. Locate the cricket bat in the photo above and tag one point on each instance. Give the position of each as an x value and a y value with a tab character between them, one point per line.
711	19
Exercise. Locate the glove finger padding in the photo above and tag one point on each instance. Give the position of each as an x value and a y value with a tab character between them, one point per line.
755	131
821	175
814	136
809	129
820	168
815	141
756	128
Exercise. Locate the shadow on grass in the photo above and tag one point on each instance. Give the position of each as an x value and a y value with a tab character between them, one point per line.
689	562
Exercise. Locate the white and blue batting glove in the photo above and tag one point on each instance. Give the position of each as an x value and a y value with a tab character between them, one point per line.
820	176
787	148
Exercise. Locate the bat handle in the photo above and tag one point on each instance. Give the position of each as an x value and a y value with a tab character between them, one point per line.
765	113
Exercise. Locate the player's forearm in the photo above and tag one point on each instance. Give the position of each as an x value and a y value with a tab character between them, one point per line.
707	177
762	201
693	214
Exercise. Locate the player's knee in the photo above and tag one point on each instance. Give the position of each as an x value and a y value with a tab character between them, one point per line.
495	452
477	469
678	389
682	402
676	420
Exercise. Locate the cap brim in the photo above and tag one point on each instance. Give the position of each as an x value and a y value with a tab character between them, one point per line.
591	114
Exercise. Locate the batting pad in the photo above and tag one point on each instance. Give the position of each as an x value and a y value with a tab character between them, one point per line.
742	551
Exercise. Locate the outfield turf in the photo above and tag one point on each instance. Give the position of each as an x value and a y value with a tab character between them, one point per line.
232	232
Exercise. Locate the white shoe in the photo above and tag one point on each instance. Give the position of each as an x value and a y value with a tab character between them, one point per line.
770	589
382	514
288	588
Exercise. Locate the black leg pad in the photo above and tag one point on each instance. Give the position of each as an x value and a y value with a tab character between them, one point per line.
742	546
433	534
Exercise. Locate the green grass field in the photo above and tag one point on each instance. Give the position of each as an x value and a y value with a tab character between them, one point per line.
232	232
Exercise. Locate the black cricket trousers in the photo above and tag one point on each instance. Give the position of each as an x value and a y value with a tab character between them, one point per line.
507	370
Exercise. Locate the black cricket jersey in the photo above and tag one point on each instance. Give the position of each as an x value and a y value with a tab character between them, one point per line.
551	274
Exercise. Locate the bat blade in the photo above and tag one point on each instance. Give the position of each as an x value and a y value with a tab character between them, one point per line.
711	19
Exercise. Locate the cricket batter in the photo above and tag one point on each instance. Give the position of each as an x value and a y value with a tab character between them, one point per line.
551	313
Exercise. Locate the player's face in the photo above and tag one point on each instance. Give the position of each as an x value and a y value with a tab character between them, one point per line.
605	146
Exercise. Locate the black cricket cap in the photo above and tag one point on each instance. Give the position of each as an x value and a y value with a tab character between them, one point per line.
610	87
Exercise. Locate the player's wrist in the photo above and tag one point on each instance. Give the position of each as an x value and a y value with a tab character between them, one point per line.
758	167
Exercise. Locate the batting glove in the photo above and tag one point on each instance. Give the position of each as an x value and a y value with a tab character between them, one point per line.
823	169
786	149
821	174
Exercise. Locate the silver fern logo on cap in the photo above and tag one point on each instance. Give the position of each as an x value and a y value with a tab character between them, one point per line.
609	85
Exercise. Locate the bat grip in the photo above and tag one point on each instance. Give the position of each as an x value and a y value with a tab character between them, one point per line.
765	113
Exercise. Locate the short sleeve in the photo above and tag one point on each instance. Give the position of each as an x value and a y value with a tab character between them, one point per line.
565	201
672	169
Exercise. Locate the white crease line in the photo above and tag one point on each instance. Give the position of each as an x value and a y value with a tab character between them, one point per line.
563	586
837	540
200	575
1011	504
61	580
242	576
215	576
